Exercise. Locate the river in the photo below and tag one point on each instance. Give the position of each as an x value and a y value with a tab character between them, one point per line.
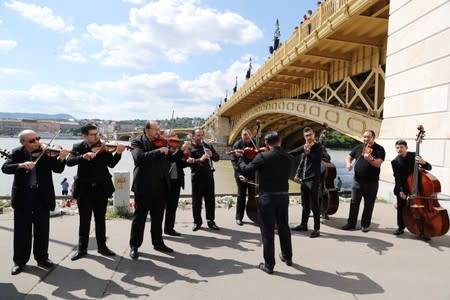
224	178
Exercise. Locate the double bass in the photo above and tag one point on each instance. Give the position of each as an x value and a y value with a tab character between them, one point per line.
423	216
328	195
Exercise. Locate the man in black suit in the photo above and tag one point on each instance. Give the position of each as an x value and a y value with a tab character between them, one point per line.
308	175
93	187
32	197
176	175
151	185
243	187
202	176
272	170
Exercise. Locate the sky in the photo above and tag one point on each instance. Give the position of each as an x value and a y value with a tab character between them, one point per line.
134	59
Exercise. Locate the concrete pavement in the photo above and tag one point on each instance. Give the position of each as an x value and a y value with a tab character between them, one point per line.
222	265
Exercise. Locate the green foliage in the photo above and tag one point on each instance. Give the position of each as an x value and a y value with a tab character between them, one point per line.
335	139
111	213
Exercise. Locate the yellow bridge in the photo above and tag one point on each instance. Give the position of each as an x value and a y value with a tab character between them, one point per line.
356	65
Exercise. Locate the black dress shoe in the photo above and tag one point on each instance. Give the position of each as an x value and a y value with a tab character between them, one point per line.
46	263
399	231
78	254
172	232
196	227
315	233
134	254
16	269
239	222
212	225
285	260
106	251
348	227
263	267
299	228
163	248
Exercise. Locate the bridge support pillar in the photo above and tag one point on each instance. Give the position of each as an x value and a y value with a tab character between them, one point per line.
218	130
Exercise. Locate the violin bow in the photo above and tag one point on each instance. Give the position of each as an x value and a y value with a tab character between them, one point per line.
48	146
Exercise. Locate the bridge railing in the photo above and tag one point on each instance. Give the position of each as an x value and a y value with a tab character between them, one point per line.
319	17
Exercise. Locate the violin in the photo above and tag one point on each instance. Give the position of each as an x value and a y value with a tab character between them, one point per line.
163	141
367	149
54	150
103	146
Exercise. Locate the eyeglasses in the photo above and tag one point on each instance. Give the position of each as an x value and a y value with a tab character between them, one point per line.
34	140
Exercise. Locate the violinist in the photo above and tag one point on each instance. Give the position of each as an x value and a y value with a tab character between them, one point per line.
243	187
403	166
308	175
202	177
273	169
92	187
176	175
32	197
369	157
151	183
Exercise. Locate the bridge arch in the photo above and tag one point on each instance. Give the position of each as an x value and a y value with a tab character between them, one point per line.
347	121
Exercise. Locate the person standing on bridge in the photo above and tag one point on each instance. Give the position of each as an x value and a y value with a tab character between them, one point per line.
202	178
308	174
93	187
273	169
243	187
369	157
32	197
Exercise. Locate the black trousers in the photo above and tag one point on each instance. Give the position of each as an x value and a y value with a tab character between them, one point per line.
144	205
93	202
172	204
310	200
243	188
273	209
30	222
200	190
369	192
401	203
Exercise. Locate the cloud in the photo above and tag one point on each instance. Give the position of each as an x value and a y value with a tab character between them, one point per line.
140	96
13	71
7	45
172	30
41	15
72	51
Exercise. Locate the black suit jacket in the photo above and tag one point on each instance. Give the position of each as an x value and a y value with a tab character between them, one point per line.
402	168
21	183
272	170
151	168
93	171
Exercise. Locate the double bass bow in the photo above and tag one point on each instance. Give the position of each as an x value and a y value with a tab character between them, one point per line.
422	215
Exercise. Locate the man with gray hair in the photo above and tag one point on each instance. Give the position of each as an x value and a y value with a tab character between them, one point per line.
32	197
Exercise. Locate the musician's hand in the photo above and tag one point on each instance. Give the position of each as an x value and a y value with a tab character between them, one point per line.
420	160
238	152
208	152
63	153
402	195
297	179
190	160
164	150
349	166
89	155
204	157
28	165
186	145
242	178
120	148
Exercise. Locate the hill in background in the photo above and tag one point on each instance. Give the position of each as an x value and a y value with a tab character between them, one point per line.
35	116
